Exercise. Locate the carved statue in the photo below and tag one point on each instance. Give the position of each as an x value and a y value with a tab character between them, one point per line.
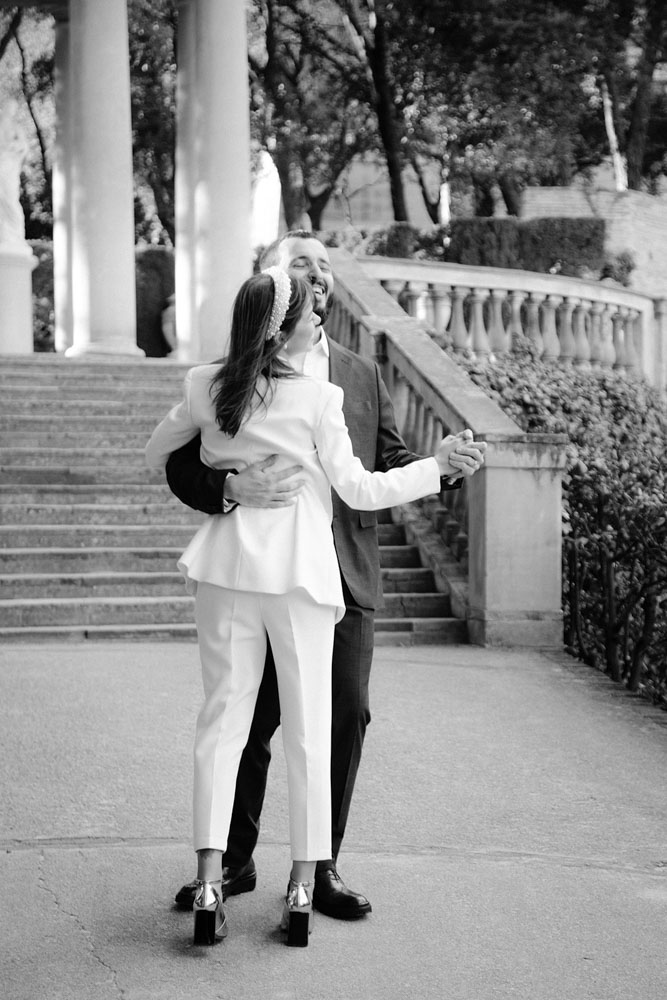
13	148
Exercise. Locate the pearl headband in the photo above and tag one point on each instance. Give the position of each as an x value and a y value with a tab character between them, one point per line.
282	292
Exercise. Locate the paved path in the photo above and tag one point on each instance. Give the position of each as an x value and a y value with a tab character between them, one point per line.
509	826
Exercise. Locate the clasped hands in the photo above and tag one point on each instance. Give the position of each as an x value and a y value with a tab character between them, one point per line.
459	455
261	485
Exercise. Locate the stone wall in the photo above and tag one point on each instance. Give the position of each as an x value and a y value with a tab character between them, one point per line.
636	222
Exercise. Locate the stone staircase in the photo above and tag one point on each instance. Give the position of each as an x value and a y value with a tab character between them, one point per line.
89	537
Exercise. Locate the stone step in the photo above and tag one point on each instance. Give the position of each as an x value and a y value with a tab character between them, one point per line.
96	611
18	583
99	559
66	392
102	364
13	536
22	586
96	406
107	535
414	632
398	555
91	535
36	475
72	457
30	423
98	513
412	579
144	609
52	561
78	375
115	438
420	632
110	493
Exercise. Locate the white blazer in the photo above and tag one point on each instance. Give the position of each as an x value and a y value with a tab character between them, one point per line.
280	549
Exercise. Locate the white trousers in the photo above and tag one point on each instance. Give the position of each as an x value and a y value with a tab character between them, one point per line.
232	627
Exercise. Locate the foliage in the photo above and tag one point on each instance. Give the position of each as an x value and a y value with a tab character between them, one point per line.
42	296
552	245
153	100
154	270
564	245
615	506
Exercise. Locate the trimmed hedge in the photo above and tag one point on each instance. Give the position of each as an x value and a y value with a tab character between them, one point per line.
615	506
550	245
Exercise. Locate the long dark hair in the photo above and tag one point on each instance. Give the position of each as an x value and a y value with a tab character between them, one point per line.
235	385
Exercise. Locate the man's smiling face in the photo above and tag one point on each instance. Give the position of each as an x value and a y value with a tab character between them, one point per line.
309	259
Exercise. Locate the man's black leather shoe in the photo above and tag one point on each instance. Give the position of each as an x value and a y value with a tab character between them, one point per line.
234	882
333	898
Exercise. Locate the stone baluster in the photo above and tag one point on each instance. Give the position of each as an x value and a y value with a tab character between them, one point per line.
394	286
515	326
595	334
582	348
442	308
413	299
549	334
631	317
607	351
617	324
479	340
565	333
499	339
533	332
457	326
408	430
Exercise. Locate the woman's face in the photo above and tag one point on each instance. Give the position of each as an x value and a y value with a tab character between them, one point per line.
303	335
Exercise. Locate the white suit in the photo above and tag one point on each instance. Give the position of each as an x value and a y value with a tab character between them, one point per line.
273	570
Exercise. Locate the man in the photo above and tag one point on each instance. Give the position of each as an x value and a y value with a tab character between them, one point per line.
376	441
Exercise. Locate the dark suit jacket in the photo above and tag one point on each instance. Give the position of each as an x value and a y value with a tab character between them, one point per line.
369	415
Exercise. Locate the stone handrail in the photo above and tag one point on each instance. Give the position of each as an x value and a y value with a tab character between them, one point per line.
503	528
482	309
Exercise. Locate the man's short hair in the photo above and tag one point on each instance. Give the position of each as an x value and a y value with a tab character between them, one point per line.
269	255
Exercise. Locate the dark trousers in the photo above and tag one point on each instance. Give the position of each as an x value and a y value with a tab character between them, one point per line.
351	667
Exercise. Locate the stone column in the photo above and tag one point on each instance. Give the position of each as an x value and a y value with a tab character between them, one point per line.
62	191
102	233
223	256
185	182
16	257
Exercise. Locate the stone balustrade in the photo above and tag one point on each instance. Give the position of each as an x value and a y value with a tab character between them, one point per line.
590	324
502	529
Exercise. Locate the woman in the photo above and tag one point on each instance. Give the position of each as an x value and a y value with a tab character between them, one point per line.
258	571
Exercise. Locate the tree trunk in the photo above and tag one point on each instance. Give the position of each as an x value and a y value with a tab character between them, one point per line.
620	173
511	191
432	205
385	110
316	205
641	106
289	170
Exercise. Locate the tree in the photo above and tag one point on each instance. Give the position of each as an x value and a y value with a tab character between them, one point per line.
152	31
308	107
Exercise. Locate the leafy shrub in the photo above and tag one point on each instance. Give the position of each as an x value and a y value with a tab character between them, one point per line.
43	317
401	239
155	283
615	507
